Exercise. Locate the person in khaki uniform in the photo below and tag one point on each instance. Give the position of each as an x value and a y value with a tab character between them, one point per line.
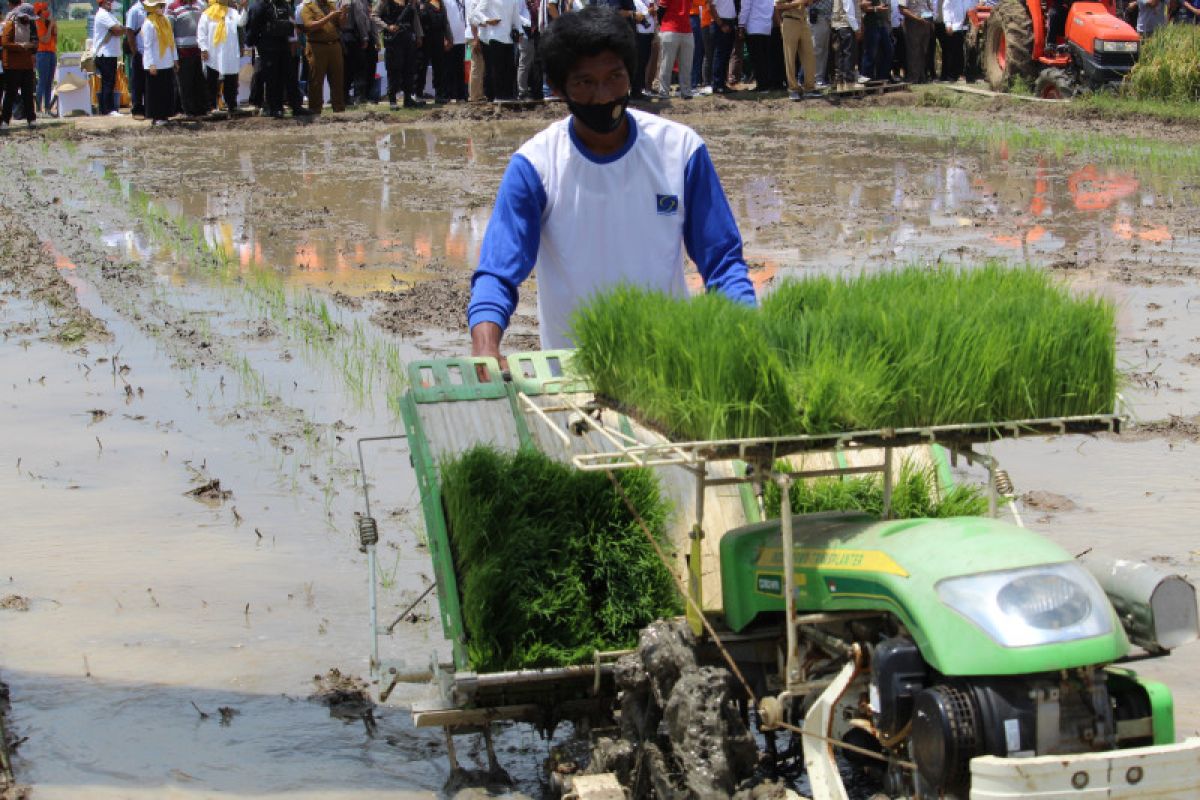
322	26
797	33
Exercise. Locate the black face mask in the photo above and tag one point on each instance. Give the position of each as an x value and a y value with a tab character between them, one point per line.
600	117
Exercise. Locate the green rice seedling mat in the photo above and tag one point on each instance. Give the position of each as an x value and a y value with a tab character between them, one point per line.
551	564
915	495
902	349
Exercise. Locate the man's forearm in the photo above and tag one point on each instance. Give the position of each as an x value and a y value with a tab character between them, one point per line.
485	339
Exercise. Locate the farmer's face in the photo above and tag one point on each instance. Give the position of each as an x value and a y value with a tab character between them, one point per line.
597	79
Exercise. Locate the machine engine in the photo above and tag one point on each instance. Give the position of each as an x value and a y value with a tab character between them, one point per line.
950	720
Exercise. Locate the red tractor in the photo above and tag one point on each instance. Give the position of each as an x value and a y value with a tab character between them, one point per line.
1058	46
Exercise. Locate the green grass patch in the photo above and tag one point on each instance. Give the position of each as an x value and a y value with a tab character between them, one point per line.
1114	106
72	33
910	347
551	565
914	495
1158	156
1168	66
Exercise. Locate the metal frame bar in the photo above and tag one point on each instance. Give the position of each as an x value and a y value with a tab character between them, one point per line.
672	453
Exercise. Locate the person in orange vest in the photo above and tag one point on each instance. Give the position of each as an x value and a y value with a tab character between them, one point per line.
47	54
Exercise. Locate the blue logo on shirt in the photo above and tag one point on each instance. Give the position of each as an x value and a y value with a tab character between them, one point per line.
668	203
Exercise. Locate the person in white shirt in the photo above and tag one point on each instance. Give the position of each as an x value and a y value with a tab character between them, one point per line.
607	196
724	22
217	36
107	31
134	19
160	58
496	20
954	17
644	28
755	21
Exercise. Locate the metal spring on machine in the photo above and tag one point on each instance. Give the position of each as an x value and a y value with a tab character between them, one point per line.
1003	483
368	532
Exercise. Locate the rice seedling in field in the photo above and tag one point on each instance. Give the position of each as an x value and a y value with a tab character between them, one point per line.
551	565
914	495
905	348
1155	155
1168	66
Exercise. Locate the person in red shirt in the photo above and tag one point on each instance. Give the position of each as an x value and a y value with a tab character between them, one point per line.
675	41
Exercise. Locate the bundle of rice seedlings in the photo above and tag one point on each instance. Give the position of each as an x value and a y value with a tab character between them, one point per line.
1168	66
914	496
551	564
904	348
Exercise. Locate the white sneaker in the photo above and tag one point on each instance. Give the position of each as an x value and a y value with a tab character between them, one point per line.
159	123
114	113
861	79
822	85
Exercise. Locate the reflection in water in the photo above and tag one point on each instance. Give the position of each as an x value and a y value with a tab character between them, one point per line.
891	206
377	209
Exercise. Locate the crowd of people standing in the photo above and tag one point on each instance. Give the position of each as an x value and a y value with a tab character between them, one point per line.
185	56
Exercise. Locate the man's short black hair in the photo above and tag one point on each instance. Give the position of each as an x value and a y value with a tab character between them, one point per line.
579	34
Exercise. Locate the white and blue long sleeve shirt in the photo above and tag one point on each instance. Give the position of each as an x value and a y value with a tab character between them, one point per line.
590	222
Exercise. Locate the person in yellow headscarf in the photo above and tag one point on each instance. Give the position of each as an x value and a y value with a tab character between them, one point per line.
160	60
217	37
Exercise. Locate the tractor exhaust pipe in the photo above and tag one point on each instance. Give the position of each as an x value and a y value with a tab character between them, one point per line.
1157	610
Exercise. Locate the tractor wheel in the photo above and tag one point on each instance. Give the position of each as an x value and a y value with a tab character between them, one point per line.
1008	45
1055	84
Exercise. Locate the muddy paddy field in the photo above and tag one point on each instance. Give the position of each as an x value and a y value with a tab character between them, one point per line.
197	325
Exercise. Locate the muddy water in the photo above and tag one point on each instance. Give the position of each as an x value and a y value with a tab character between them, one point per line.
145	601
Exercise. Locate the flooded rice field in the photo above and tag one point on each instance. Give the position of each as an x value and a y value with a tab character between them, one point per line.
198	326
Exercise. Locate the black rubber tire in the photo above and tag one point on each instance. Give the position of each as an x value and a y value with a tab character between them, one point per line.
1011	26
1055	84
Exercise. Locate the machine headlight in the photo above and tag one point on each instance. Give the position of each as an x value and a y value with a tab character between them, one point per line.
1103	46
1032	606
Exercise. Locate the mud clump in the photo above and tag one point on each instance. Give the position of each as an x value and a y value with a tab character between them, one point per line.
428	304
707	751
347	697
27	265
211	492
9	790
1048	501
14	602
1174	427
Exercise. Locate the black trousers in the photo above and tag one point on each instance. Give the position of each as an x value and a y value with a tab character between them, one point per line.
255	97
193	88
844	54
499	71
18	80
355	67
137	85
759	45
278	78
229	89
452	69
917	35
434	52
107	67
400	59
953	54
645	41
160	94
